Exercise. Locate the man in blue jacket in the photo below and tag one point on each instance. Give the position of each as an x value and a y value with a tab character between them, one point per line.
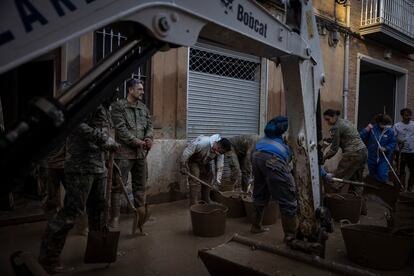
273	178
381	142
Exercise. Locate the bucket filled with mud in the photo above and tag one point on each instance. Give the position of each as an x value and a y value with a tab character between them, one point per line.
376	247
344	206
208	220
233	201
271	212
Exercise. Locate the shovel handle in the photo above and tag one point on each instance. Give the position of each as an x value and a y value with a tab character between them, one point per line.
201	181
123	188
354	183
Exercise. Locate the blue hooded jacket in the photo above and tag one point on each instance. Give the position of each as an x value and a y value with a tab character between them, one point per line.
273	141
386	139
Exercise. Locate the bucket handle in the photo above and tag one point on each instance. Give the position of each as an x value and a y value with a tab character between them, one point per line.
344	222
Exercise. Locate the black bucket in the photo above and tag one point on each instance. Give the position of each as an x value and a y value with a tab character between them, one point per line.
344	206
208	220
271	212
376	247
233	201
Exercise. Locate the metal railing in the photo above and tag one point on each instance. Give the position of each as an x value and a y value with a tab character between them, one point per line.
398	14
109	40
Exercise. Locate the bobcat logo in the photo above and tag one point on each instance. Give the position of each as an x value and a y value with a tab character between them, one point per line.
228	4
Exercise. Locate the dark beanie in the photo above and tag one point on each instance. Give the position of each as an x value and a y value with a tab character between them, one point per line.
276	127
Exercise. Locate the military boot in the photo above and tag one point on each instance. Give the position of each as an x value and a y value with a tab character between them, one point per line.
193	195
257	227
290	227
205	194
115	210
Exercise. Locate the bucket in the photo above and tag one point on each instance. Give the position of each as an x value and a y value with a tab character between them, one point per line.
208	220
271	212
375	247
344	206
233	201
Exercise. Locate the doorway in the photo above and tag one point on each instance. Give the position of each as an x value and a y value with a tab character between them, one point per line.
382	89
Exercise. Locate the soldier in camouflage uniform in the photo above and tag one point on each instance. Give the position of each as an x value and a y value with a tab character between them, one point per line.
354	152
51	172
203	158
85	180
51	176
242	149
133	131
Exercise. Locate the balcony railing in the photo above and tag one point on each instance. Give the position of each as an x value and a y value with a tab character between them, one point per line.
398	14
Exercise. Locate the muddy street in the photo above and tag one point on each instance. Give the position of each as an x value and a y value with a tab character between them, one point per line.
171	249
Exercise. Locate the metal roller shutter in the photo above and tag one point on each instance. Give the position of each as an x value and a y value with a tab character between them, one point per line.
223	92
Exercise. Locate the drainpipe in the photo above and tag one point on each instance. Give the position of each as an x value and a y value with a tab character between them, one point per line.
346	61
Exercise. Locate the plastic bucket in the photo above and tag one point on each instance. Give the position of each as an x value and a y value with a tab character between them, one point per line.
271	212
233	201
344	206
208	220
375	246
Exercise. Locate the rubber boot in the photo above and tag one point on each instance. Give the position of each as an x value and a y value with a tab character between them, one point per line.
81	225
205	194
290	227
193	195
115	210
257	227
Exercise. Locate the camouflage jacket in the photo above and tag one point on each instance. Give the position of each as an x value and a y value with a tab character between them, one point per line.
55	158
83	152
243	145
345	136
131	121
199	151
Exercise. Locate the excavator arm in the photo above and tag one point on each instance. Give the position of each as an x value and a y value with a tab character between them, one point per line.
31	28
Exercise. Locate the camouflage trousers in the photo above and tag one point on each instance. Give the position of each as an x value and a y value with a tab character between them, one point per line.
49	181
139	173
351	167
81	190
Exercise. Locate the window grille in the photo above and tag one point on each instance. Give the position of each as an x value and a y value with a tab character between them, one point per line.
227	66
108	40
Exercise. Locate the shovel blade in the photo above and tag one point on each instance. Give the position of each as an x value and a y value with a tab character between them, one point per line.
101	247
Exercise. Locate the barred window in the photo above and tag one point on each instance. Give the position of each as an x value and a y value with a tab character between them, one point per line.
227	66
109	39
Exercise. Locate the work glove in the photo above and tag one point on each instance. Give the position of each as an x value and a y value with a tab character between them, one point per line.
368	127
184	169
137	143
216	184
110	145
329	177
148	143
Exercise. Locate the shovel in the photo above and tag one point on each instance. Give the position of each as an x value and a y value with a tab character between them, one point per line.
355	183
204	183
102	246
135	223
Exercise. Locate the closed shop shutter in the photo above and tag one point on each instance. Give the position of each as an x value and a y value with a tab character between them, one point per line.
223	92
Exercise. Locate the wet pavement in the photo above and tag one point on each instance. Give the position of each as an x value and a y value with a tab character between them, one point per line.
170	248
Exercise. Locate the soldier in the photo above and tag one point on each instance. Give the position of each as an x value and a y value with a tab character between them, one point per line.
242	149
51	176
203	158
133	131
85	180
51	172
354	152
273	178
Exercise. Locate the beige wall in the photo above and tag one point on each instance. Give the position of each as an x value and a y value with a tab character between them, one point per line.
169	93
